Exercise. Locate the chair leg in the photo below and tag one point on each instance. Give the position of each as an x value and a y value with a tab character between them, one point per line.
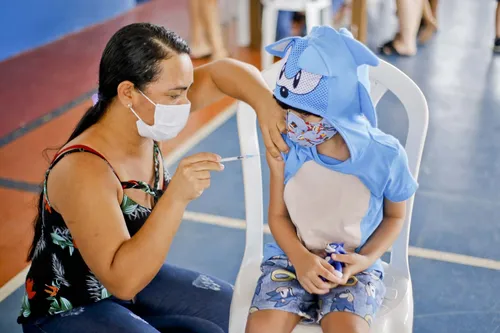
313	17
327	16
269	24
243	23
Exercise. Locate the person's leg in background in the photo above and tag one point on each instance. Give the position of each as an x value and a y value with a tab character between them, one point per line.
409	16
429	21
180	300
496	47
212	24
434	7
198	41
339	10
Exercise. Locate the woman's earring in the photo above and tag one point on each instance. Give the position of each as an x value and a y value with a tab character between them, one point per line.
129	105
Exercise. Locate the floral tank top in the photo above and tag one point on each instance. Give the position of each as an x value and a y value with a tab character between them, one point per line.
59	280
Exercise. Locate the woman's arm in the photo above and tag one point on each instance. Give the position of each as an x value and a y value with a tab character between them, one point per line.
90	206
229	77
244	82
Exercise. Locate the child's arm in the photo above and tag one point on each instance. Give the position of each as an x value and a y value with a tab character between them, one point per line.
387	232
307	265
379	242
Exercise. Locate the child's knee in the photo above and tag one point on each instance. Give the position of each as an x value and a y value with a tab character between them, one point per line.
344	322
271	321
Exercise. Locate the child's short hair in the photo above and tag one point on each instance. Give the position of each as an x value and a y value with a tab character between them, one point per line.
289	107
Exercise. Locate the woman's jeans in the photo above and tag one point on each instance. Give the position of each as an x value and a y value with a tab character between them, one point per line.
176	301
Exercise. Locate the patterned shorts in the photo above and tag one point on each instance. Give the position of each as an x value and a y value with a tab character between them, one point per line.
278	289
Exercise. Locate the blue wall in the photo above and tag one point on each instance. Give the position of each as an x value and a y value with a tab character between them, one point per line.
27	24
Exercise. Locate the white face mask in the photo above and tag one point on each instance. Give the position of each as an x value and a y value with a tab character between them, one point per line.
169	120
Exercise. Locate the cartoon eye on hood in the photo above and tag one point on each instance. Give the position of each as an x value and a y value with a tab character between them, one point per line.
301	83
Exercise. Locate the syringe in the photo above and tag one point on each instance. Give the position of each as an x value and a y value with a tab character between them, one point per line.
237	158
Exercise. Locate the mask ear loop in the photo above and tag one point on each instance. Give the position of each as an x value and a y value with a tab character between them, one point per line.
135	114
147	98
133	111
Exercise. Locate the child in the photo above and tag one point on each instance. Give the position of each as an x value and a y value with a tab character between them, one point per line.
342	181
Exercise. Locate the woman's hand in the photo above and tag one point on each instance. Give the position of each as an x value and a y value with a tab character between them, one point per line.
192	176
310	268
272	123
354	264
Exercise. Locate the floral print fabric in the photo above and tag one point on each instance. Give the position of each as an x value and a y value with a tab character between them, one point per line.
59	280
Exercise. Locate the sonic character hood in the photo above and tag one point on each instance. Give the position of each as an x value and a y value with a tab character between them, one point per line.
326	73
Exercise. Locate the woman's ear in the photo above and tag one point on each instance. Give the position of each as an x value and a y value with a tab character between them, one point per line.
126	93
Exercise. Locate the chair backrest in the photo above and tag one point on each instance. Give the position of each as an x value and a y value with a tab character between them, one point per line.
383	78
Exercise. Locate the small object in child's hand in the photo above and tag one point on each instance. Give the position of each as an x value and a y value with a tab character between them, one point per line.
334	248
237	158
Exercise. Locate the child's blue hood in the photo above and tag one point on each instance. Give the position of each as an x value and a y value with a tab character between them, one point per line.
325	73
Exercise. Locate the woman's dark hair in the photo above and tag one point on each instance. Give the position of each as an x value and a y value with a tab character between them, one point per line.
133	54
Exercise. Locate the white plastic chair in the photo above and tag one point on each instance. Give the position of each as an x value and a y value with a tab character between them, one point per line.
243	23
396	314
316	11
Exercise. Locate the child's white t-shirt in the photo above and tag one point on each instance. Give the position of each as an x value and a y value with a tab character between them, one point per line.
342	201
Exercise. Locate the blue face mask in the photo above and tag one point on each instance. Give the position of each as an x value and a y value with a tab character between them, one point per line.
308	134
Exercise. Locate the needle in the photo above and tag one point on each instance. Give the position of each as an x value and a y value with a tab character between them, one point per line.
237	158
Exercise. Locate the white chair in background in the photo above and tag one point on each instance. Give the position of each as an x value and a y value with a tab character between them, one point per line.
316	11
396	314
243	22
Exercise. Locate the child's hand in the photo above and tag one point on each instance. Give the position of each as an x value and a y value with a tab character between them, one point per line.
309	268
354	264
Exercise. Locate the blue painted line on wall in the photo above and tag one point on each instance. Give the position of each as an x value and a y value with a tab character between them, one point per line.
19	185
44	119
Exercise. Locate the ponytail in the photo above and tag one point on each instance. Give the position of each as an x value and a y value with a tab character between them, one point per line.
134	54
90	118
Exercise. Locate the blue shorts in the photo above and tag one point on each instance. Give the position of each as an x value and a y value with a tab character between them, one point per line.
278	289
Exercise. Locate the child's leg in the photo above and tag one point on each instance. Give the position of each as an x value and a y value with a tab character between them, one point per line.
279	302
272	321
344	322
351	308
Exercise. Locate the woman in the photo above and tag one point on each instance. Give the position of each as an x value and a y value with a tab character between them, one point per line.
103	227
